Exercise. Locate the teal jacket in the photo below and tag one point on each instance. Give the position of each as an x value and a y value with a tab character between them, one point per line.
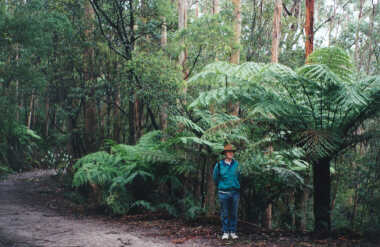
229	175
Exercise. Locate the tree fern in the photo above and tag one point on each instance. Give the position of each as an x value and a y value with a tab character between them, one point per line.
316	102
336	59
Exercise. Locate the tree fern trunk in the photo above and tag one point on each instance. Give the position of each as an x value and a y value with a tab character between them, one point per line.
322	186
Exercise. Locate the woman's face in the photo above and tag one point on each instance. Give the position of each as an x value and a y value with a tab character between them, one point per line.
229	154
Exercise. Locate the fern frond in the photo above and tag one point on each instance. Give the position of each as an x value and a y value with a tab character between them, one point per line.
188	123
196	140
214	74
336	59
150	139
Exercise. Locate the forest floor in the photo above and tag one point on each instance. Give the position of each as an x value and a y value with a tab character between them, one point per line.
34	212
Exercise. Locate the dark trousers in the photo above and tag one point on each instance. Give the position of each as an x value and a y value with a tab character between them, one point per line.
229	204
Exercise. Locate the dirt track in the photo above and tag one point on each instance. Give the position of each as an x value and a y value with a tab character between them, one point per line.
34	213
26	220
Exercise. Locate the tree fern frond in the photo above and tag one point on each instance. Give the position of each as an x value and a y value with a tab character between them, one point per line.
214	73
336	59
188	123
249	70
197	140
100	157
150	139
286	174
215	96
224	125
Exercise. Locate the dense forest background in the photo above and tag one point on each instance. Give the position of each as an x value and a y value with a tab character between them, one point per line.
133	100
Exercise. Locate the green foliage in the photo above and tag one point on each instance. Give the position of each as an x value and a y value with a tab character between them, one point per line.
204	44
128	175
157	79
336	59
192	208
18	145
96	168
4	170
315	108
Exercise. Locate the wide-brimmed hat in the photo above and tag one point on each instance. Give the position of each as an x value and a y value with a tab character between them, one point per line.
229	147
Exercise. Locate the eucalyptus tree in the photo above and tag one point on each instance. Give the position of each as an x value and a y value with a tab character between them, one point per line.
319	107
123	23
309	27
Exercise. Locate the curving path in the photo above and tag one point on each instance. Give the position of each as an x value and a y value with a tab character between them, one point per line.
26	220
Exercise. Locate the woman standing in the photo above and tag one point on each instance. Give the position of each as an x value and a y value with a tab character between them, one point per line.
226	177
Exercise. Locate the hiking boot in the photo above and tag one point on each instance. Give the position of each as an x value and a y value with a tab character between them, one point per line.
233	235
225	236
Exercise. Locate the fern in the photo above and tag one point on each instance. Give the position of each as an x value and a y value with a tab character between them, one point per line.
320	103
119	172
192	207
336	59
96	168
188	123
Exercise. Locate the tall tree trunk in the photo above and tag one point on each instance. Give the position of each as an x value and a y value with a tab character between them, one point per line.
371	35
331	24
322	188
196	9
116	116
215	7
138	104
357	33
164	108
19	104
47	109
235	56
215	10
132	118
309	27
182	23
276	33
90	105
29	124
